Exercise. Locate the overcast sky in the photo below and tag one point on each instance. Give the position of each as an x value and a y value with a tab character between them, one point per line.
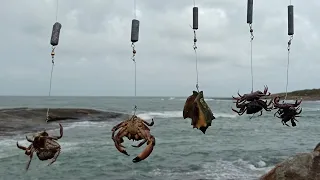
93	55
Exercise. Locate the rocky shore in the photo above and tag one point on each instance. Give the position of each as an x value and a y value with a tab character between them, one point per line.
25	120
303	166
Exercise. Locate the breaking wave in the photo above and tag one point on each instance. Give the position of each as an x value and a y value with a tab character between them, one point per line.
220	170
177	114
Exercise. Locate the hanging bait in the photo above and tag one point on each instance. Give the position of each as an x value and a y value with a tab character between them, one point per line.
198	110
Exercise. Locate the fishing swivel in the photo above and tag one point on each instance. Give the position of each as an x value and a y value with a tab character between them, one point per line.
251	32
289	42
195	40
53	53
133	52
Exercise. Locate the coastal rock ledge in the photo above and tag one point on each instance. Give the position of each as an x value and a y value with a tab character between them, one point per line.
24	120
303	166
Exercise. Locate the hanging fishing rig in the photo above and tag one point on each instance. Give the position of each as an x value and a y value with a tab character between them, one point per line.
195	106
134	38
251	103
54	41
134	128
288	111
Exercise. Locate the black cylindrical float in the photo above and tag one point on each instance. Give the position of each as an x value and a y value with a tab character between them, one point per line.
135	30
249	11
195	17
290	20
55	34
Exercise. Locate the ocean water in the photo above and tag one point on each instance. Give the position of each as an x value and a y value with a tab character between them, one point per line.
233	148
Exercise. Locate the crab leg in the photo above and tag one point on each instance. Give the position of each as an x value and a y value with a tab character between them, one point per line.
61	133
30	158
21	147
119	135
118	139
260	114
149	148
28	139
293	123
235	111
116	127
140	144
55	156
278	112
149	124
241	112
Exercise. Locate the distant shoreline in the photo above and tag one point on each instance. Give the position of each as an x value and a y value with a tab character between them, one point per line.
306	95
288	98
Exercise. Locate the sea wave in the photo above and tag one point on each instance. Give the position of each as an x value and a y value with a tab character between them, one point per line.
176	114
204	99
220	170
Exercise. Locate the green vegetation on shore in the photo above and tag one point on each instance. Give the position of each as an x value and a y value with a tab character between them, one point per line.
306	94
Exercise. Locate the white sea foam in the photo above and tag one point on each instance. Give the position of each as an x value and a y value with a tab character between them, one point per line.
221	170
177	114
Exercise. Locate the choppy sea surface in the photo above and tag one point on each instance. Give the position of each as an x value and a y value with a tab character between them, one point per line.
233	148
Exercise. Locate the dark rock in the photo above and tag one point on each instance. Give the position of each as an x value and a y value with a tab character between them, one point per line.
24	120
303	166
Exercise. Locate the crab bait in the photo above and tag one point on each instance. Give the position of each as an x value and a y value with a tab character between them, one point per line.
44	145
137	129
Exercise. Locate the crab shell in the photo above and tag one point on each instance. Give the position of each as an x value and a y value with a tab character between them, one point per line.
48	149
136	129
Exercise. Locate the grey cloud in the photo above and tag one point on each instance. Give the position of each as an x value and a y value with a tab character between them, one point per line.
93	56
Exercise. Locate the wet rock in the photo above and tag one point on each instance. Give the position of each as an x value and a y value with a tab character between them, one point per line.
303	166
23	120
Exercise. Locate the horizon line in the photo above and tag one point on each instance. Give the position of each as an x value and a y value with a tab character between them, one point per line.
100	96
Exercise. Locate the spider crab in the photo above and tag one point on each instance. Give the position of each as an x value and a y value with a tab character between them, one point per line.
137	129
198	110
287	111
253	107
253	95
251	103
289	114
44	145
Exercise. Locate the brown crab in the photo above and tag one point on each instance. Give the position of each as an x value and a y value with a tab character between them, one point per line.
137	129
44	145
253	95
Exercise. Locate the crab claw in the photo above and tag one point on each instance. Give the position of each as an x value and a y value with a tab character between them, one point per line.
61	131
276	100
297	103
147	151
265	89
236	98
239	94
120	148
